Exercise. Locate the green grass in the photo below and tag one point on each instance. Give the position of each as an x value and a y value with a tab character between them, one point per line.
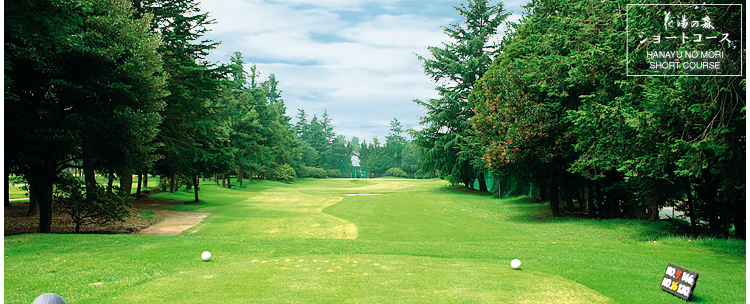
148	214
17	192
414	242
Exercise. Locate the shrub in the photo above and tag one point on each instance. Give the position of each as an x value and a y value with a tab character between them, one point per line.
312	172
96	206
333	172
282	173
396	172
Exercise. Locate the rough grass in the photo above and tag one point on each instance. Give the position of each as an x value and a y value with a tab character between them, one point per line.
416	242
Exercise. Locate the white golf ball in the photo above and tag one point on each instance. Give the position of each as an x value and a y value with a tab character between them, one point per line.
206	256
515	263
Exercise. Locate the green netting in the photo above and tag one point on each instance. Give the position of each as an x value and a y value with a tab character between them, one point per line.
510	184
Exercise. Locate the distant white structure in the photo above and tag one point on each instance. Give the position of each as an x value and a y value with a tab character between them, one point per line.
355	160
356	166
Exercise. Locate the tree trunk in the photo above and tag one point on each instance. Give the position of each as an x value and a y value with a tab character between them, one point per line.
229	180
554	194
467	182
111	182
172	183
33	203
138	188
239	176
126	182
7	189
531	189
564	197
195	186
654	211
691	208
89	175
145	180
482	182
586	199
41	187
740	219
499	192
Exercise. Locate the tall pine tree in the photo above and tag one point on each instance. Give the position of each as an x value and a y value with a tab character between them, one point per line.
459	63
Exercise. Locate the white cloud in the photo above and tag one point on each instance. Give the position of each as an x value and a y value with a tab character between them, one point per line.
397	31
354	59
255	16
349	5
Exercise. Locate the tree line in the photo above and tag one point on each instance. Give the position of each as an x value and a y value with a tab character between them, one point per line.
552	106
122	88
322	153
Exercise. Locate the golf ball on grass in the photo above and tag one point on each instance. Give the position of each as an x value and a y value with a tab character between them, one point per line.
515	263
206	256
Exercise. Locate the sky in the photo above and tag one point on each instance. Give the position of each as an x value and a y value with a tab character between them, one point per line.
354	59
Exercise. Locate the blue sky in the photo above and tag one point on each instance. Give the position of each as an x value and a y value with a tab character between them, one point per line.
354	59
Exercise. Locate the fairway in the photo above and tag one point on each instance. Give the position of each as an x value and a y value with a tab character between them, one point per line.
371	241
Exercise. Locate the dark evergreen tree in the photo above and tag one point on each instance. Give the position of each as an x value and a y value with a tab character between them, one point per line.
83	83
458	64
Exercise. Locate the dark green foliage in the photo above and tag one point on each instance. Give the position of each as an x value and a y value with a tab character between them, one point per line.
192	138
312	172
259	132
87	207
284	172
333	172
318	134
82	83
558	104
410	160
446	137
396	172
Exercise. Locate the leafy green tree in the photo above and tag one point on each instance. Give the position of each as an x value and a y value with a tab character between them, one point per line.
557	54
395	143
193	138
377	160
557	103
78	73
410	162
339	152
278	133
458	64
318	134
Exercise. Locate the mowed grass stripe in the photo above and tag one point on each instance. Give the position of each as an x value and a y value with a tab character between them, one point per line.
430	243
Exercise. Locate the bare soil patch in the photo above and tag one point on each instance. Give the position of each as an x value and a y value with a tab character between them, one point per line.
175	224
144	212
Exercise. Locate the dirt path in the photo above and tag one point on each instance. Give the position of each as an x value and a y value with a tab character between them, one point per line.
175	223
145	215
